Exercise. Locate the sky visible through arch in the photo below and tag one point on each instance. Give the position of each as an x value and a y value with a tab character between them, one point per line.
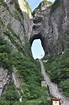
37	50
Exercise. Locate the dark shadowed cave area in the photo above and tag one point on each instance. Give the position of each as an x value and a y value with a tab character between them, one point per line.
38	40
37	36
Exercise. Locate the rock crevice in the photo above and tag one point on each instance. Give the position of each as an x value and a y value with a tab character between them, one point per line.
5	79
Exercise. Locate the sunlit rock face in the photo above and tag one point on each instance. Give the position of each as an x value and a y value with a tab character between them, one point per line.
52	23
24	7
15	17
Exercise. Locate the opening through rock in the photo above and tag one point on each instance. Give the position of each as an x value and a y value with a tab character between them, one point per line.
37	49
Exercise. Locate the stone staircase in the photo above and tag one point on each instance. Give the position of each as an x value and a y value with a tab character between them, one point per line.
53	88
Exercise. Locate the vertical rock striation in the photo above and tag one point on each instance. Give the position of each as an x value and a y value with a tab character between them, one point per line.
15	28
52	24
5	79
15	21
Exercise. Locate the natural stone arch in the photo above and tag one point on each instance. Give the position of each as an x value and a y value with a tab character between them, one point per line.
37	36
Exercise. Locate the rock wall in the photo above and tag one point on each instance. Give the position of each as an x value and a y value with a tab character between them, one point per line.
15	22
15	27
5	79
51	25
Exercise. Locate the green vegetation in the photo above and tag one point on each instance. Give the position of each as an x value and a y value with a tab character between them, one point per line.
39	7
46	2
15	40
58	69
10	96
15	14
61	41
27	7
1	22
5	53
4	4
29	73
21	20
8	31
28	70
13	33
18	9
64	85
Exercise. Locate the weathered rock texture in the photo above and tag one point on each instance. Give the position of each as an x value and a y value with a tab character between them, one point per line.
5	79
14	22
15	27
51	25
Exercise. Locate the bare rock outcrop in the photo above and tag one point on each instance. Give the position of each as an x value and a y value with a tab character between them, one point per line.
15	28
53	88
51	25
5	78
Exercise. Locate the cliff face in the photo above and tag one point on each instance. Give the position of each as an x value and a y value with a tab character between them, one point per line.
51	25
5	79
15	29
15	22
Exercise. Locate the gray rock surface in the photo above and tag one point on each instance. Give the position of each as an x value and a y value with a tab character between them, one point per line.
15	20
5	79
53	28
15	27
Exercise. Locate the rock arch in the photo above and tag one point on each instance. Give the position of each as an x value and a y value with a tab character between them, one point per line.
37	36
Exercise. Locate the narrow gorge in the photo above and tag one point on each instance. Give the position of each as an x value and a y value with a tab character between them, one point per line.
20	75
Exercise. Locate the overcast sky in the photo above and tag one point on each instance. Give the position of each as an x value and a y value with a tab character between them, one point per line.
34	3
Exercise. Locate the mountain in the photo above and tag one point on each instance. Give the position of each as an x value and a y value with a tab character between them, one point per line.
20	74
51	25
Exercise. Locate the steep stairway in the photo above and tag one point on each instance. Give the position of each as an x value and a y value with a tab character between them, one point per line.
53	89
1	81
